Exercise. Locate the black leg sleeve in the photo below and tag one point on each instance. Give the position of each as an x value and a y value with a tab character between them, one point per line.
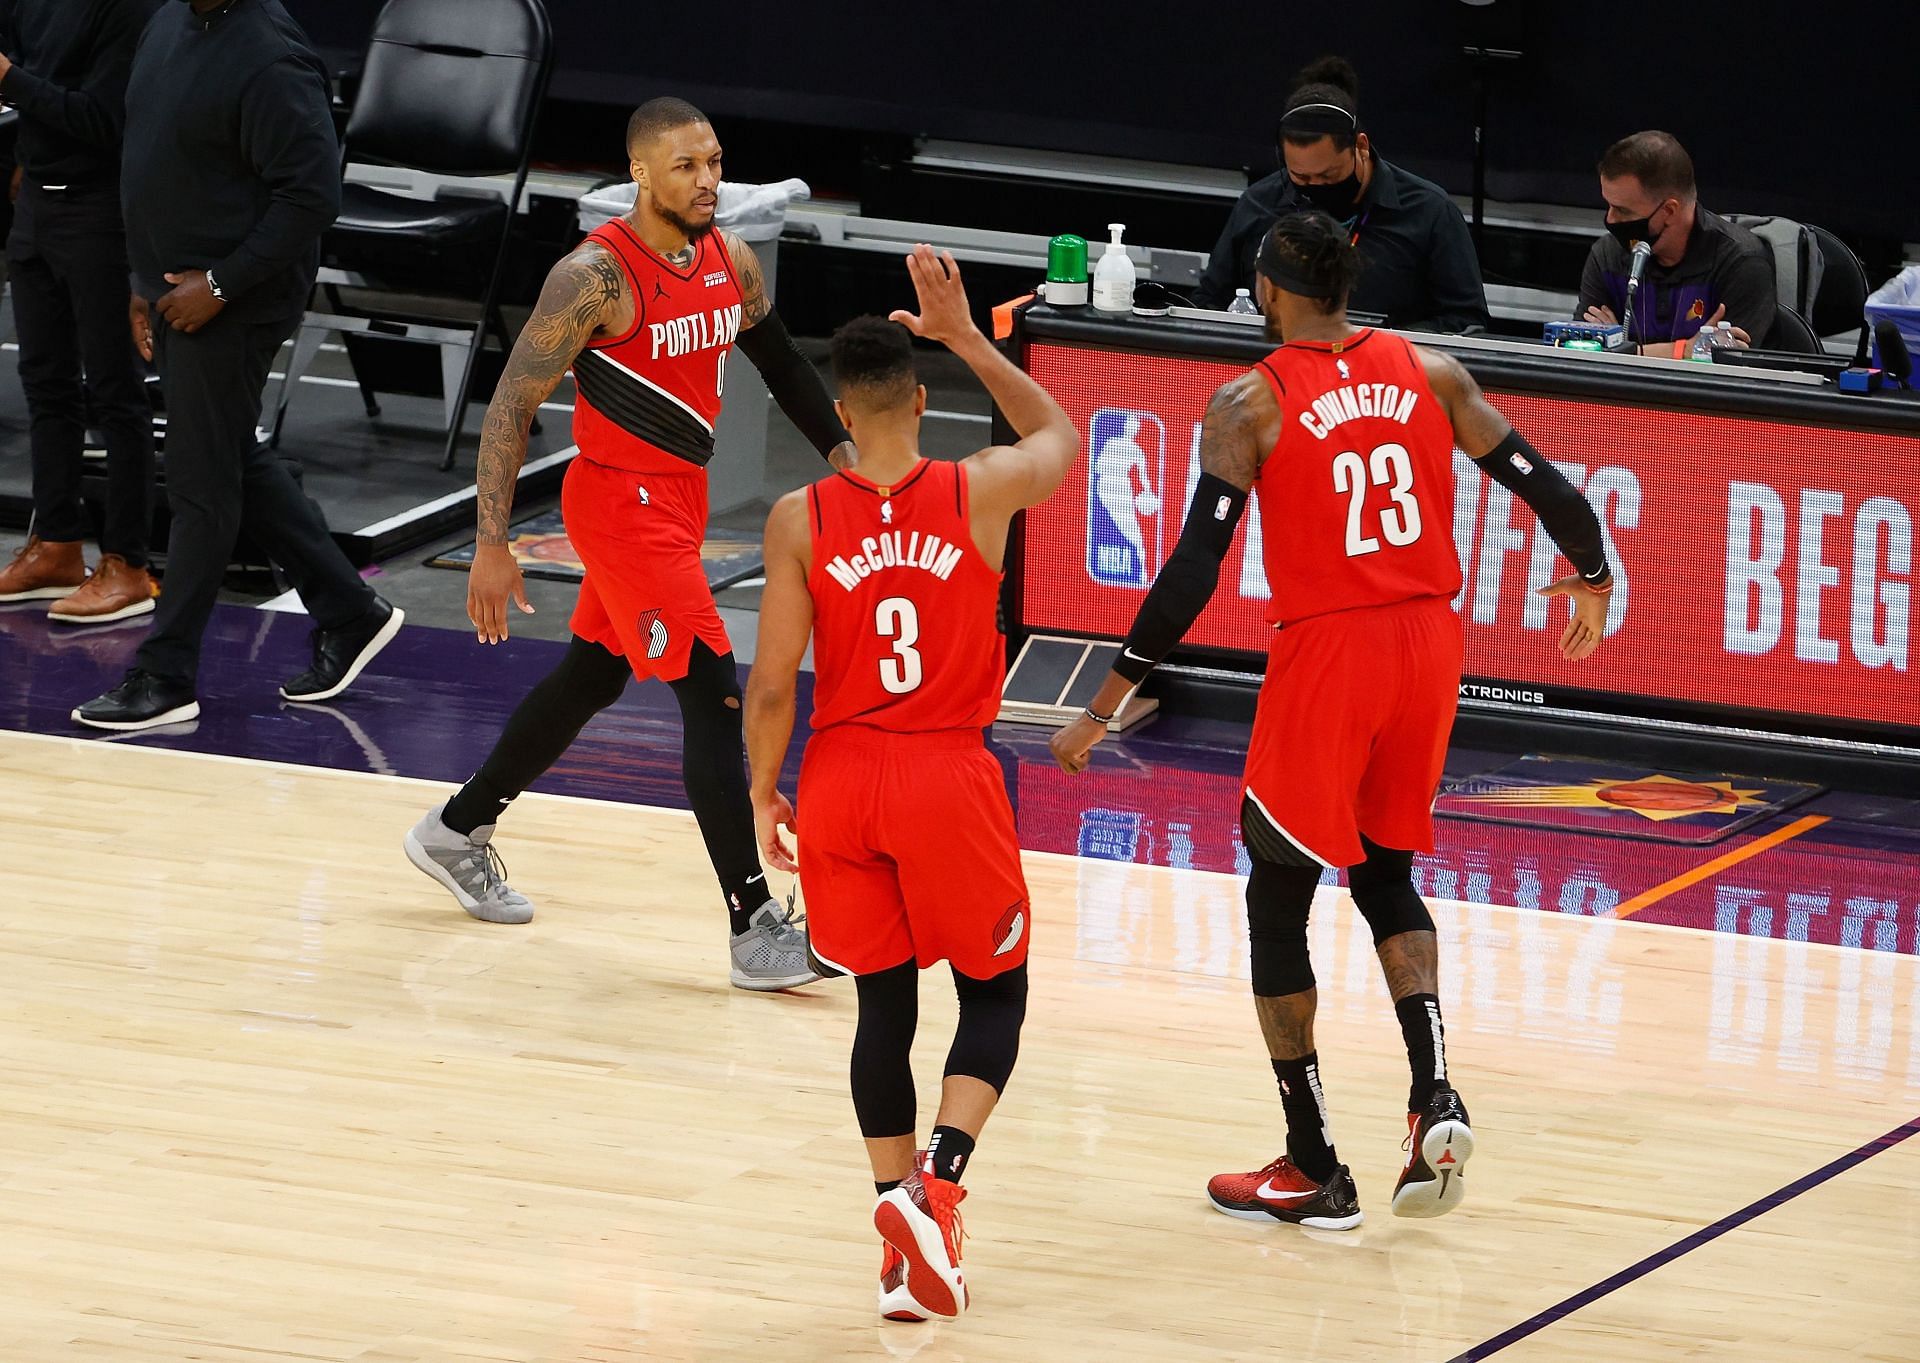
542	727
714	765
986	1041
882	1067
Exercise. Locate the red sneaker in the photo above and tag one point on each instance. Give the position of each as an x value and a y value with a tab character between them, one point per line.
921	1221
1281	1192
896	1302
1439	1144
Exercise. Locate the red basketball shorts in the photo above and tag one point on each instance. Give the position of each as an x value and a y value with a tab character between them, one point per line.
908	853
1351	732
645	595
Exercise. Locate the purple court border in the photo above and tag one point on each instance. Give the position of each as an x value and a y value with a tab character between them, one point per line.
1705	1235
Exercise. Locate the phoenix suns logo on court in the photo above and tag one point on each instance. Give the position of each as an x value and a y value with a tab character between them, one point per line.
1653	796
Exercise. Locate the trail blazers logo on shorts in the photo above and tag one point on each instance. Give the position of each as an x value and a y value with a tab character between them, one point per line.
1011	929
656	631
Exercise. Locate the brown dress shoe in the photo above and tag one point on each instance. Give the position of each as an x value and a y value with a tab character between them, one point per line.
43	569
114	592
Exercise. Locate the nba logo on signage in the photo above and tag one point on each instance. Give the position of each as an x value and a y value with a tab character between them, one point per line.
1126	491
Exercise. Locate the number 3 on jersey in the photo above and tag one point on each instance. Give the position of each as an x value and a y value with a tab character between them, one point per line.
897	619
1390	467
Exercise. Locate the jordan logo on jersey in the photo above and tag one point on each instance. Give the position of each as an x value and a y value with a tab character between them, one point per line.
679	336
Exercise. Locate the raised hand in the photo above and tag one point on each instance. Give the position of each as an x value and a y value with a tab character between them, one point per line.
944	315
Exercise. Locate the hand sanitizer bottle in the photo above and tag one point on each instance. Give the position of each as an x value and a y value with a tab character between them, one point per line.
1113	276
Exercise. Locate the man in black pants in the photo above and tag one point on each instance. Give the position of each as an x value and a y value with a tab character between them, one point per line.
231	172
646	312
65	69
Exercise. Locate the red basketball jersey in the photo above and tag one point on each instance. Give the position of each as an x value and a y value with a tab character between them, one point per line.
1356	497
906	632
647	401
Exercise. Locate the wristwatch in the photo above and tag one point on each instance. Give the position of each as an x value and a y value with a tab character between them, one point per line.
213	287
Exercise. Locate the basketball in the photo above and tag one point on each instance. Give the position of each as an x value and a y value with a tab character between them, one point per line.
1665	796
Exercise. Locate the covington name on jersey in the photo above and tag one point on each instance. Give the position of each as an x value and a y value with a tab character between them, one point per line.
895	549
1387	400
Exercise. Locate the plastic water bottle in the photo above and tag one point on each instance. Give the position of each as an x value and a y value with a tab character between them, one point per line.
1113	276
1242	304
1705	342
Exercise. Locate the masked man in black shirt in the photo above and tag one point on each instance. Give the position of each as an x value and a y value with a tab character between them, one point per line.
1704	270
1418	267
230	175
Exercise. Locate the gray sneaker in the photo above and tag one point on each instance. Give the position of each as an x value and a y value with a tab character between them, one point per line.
772	952
469	867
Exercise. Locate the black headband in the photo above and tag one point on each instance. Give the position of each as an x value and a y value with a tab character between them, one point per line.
1319	118
1286	275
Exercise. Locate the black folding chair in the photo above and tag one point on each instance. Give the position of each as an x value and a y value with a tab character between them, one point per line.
450	89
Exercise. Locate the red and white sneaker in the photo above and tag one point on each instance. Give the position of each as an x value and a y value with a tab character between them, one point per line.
920	1220
1280	1192
1439	1144
896	1302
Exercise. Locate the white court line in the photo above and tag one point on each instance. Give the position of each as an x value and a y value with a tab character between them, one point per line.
462	494
939	415
355	383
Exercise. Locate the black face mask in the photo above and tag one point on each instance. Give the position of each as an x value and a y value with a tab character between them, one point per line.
1636	229
1337	200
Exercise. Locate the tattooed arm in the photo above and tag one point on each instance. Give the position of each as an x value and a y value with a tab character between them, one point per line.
794	383
585	294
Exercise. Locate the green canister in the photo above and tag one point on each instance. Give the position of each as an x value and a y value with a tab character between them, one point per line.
1067	270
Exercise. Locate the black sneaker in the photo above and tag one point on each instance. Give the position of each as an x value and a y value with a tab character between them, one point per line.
141	701
339	654
1280	1192
1439	1144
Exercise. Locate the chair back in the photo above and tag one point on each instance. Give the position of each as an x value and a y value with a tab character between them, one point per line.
452	86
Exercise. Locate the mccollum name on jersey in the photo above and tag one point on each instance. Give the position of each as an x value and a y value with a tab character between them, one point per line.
895	549
1388	401
679	336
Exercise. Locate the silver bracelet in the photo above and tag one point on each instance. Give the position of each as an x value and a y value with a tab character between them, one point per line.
1097	718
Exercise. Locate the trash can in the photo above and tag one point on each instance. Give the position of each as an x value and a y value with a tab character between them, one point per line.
756	213
1898	301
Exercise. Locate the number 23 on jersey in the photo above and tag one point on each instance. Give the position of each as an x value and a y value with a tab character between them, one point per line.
1390	467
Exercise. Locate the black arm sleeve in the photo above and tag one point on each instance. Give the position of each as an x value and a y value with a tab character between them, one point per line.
1566	515
1187	582
794	383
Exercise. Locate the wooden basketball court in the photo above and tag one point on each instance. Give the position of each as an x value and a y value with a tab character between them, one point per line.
270	1096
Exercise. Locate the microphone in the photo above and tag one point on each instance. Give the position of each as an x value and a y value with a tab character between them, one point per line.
1642	253
1896	362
